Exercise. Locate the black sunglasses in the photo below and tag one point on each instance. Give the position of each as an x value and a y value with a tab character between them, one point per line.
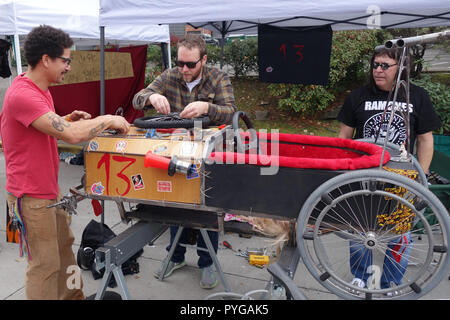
67	61
383	65
190	64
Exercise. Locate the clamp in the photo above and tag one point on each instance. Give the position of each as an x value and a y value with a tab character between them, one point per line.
67	203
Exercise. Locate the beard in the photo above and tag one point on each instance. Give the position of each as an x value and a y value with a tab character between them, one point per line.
192	76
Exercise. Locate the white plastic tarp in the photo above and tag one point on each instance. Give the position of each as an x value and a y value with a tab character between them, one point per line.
7	25
78	18
241	16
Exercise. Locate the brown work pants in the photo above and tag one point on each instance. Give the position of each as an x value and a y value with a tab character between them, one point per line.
52	272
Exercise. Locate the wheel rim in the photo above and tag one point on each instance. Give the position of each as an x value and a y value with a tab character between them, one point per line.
326	251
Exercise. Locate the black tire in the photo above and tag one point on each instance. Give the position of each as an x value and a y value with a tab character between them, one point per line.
171	120
253	143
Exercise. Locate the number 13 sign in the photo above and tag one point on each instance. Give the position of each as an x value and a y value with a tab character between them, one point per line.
294	55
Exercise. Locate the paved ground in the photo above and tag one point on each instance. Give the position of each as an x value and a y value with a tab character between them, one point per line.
437	60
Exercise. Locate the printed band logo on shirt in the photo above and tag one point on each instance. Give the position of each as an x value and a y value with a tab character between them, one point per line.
397	131
381	105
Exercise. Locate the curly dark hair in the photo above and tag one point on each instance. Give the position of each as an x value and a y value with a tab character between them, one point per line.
45	40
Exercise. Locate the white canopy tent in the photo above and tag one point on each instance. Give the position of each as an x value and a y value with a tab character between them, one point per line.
243	16
7	26
78	18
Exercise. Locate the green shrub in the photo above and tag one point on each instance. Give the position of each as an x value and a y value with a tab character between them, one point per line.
154	54
242	55
213	53
151	74
305	99
440	97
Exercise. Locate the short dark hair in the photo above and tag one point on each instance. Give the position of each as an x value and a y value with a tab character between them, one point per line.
191	41
45	40
394	53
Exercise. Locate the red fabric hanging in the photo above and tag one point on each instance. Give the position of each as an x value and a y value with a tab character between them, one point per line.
118	92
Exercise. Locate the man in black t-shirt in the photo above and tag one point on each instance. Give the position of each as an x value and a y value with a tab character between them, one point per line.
363	111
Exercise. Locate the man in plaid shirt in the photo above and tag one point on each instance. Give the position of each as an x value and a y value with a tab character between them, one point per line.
191	88
194	90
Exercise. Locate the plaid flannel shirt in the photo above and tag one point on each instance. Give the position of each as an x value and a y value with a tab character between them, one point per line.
214	87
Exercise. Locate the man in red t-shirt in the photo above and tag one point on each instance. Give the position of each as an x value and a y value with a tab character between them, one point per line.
29	129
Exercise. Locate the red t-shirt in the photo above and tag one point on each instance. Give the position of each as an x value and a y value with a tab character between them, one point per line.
31	156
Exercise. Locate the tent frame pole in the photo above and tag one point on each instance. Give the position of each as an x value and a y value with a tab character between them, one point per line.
102	70
17	54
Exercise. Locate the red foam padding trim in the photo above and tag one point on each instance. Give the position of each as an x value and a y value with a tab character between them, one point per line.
309	152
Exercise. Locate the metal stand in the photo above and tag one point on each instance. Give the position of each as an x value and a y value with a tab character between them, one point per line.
210	250
119	249
283	272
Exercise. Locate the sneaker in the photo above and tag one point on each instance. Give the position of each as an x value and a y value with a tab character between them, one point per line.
208	280
170	268
357	283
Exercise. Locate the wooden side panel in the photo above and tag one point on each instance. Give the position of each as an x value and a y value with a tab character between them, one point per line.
124	176
183	149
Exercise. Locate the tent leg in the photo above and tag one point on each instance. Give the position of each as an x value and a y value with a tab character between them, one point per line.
17	54
102	70
169	56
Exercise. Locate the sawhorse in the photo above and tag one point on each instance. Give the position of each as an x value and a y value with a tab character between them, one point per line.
153	222
119	249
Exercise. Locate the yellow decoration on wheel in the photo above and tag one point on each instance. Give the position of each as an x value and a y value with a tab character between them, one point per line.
402	217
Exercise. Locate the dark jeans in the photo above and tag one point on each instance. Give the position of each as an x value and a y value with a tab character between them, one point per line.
395	261
204	259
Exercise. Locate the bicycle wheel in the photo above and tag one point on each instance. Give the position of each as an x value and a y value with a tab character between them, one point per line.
359	220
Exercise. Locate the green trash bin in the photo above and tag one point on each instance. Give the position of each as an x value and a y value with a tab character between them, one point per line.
442	143
441	165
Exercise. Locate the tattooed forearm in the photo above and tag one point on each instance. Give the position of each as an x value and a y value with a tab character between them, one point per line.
58	122
95	131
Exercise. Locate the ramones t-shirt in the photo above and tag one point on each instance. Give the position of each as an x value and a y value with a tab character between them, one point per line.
363	110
